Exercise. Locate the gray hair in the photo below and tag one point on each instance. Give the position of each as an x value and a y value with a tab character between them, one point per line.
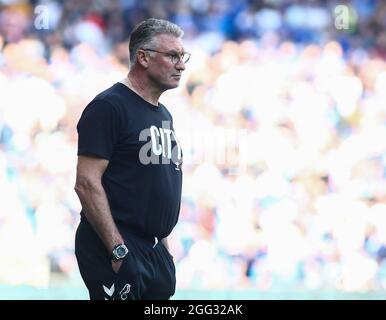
144	32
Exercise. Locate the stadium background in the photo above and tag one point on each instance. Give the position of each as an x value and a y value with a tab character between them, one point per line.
282	117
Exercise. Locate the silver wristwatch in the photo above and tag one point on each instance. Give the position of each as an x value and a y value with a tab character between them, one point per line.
119	252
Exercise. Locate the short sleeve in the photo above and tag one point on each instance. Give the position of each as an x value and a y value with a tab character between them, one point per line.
98	129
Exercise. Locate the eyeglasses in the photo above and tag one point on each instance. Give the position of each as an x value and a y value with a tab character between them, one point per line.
174	57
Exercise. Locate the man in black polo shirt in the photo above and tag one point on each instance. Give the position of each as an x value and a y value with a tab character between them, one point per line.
129	174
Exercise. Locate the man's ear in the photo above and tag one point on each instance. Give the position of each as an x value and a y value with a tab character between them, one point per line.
142	58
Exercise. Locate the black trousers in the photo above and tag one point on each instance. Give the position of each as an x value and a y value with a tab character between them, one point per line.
147	272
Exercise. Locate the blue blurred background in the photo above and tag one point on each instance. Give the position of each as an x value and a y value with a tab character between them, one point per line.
282	117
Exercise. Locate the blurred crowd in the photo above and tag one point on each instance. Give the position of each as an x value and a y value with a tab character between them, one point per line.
281	117
106	24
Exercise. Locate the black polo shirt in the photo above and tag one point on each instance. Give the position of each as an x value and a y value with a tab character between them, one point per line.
143	179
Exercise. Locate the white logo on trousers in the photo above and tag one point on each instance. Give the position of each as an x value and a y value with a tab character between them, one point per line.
109	291
125	291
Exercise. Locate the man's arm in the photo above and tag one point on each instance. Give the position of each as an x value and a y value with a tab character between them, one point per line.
94	201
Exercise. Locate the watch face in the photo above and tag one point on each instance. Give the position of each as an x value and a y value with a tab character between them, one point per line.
121	251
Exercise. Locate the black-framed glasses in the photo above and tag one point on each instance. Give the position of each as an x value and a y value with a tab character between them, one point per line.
174	57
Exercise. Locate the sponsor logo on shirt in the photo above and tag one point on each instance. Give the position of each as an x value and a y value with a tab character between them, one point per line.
163	144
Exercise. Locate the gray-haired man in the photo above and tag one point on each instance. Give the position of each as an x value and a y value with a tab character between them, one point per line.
129	174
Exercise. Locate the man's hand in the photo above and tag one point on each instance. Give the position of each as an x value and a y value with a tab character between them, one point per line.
116	265
166	244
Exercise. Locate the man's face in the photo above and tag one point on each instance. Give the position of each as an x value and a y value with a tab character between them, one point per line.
162	70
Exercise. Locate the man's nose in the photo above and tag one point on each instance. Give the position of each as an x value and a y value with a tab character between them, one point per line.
180	66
